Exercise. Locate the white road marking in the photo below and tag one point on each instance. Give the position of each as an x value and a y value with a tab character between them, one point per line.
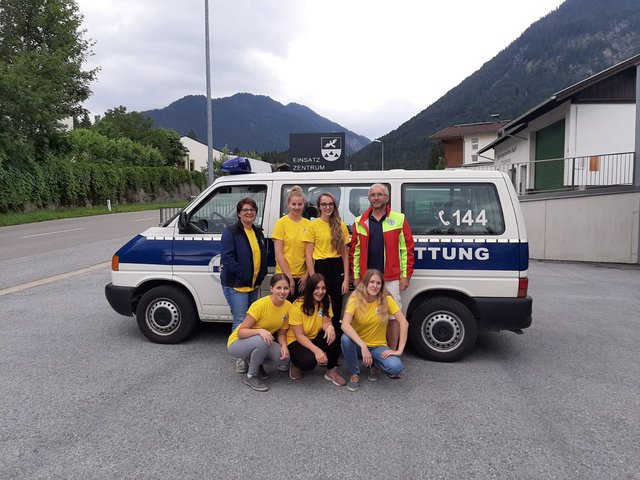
148	218
52	233
55	278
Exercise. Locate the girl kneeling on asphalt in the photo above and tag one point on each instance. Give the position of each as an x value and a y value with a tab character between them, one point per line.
253	338
311	336
365	330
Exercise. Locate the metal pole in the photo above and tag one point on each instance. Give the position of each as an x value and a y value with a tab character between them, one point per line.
382	146
211	175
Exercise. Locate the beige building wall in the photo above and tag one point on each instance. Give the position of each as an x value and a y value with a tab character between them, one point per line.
593	228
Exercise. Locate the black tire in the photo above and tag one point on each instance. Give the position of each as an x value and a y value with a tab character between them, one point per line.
166	314
442	329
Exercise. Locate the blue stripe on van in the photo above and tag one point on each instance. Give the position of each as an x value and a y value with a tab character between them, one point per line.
429	255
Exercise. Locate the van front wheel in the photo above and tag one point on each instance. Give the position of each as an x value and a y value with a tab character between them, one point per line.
166	314
442	329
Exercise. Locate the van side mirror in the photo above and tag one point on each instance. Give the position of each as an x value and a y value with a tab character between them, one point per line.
183	221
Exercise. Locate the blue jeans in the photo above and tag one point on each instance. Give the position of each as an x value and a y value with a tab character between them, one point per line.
352	355
239	303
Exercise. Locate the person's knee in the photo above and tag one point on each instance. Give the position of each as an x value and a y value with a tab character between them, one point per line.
394	366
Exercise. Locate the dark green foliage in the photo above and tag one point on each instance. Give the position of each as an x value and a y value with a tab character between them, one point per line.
41	77
55	183
118	124
579	39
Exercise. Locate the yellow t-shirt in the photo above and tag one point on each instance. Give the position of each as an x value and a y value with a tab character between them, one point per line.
311	324
255	250
319	233
290	233
267	316
371	328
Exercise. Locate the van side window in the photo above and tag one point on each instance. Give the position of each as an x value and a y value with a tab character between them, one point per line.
219	210
453	209
353	199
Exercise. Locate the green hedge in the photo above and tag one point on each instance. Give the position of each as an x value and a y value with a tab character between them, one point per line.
61	183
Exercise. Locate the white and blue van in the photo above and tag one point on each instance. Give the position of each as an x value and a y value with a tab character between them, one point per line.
471	253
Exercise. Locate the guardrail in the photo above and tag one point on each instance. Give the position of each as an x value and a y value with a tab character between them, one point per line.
570	173
167	213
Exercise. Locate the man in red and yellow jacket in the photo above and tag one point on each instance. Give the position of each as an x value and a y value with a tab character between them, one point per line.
382	239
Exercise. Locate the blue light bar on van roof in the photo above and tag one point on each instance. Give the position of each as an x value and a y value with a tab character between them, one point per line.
236	165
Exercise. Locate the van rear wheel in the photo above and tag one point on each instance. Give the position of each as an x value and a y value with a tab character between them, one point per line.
166	314
442	329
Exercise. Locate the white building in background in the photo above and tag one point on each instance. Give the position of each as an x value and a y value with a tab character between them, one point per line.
197	157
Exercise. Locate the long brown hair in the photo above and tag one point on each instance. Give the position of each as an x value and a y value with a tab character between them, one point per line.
335	225
308	302
361	297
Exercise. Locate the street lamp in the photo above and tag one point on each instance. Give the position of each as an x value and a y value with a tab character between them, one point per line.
210	168
381	153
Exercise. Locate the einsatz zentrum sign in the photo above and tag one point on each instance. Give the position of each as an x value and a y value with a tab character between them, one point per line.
316	152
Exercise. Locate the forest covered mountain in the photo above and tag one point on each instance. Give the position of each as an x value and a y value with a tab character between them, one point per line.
578	39
248	122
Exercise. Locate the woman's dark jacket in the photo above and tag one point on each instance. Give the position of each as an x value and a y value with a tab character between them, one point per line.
237	257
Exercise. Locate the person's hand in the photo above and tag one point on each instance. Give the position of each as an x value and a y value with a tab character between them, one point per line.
266	336
388	353
404	284
367	360
292	285
302	282
284	352
330	334
356	282
345	286
321	357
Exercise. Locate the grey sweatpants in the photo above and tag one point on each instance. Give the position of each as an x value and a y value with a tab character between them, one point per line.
257	352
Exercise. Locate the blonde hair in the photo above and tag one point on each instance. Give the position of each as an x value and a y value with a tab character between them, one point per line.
295	191
335	225
360	296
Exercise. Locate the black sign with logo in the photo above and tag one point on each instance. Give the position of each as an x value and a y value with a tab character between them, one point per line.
316	152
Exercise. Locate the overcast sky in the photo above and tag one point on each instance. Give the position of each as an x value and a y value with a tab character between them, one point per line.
369	65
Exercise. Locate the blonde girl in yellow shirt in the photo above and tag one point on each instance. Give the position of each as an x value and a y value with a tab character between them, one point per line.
365	330
288	244
326	252
253	338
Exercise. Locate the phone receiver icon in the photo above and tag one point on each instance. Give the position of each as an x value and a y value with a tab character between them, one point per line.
446	223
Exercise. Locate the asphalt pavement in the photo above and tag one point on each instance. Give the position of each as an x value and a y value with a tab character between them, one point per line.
85	395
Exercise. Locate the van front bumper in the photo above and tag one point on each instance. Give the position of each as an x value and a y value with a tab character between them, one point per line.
120	298
504	313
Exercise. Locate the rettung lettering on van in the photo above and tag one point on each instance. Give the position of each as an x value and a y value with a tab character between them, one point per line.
489	254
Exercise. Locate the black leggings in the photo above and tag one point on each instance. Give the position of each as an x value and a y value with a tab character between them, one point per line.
333	272
305	360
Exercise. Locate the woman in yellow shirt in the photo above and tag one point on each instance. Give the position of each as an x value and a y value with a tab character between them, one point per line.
365	330
311	336
288	244
326	252
253	338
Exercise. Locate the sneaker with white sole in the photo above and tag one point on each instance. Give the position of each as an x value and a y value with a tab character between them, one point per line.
335	378
242	365
257	384
354	383
374	374
294	372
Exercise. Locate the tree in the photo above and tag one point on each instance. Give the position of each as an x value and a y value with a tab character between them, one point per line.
42	49
118	123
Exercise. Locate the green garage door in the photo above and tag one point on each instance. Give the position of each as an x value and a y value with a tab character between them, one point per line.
550	144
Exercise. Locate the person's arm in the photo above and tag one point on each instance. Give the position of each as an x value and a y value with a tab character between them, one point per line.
247	330
348	330
329	330
308	255
354	255
345	264
404	328
298	331
278	246
406	255
228	254
282	340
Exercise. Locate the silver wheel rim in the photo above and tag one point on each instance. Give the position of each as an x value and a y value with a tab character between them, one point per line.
443	331
163	317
